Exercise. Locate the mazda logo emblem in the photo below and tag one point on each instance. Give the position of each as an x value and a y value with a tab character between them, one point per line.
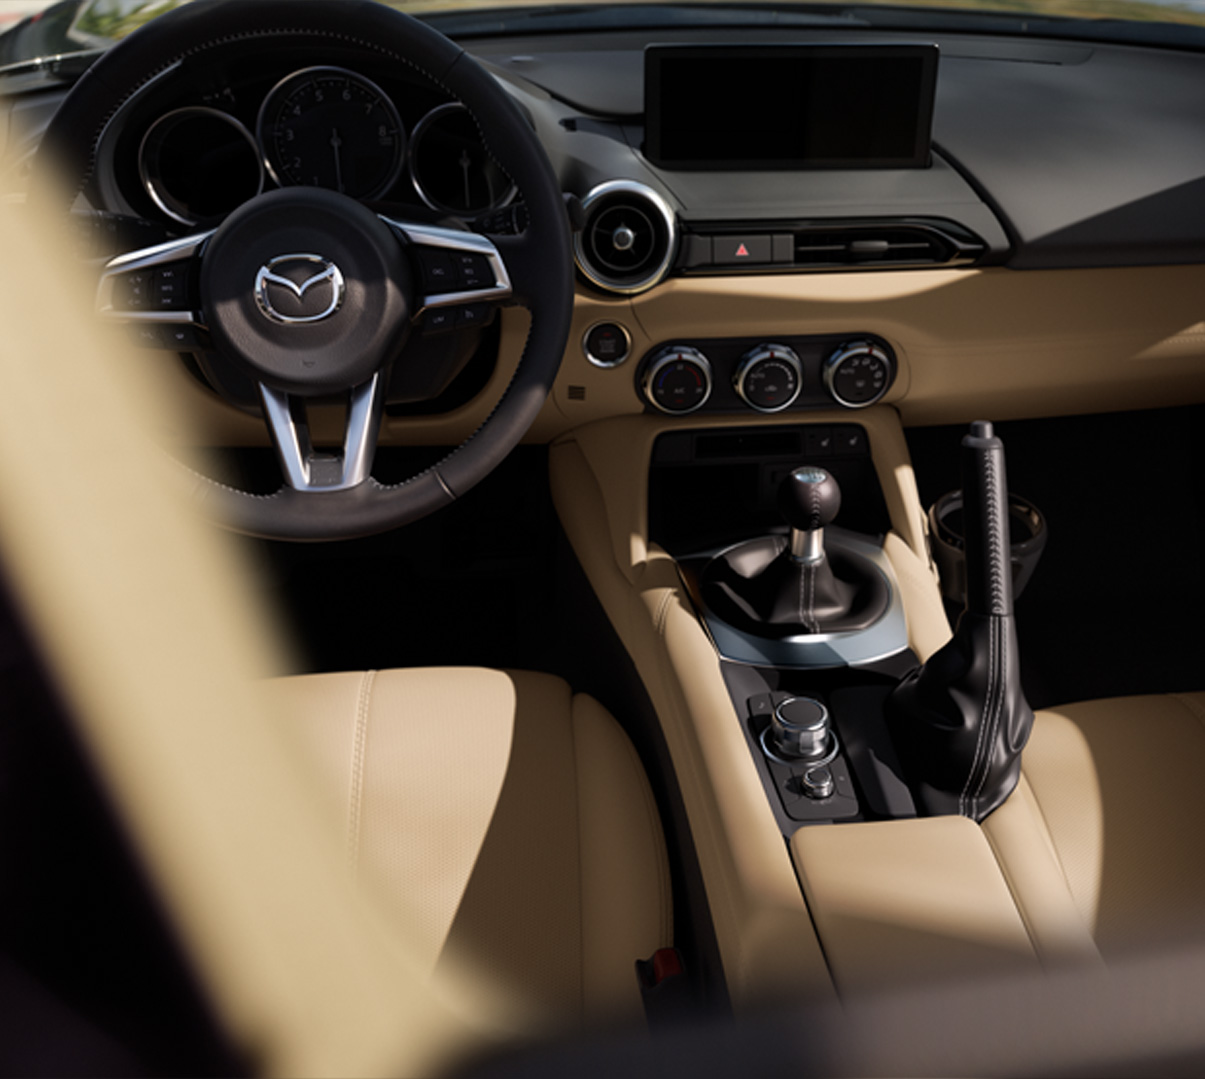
299	288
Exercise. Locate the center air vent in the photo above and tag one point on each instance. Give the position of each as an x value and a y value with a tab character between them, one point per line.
628	241
885	243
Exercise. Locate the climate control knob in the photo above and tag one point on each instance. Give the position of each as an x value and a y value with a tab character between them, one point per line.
858	374
768	378
677	380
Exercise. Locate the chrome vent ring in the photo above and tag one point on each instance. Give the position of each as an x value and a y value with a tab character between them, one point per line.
629	239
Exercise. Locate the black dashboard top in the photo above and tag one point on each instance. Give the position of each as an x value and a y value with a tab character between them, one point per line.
1084	155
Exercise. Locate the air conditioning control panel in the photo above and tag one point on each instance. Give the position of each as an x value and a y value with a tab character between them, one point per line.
766	374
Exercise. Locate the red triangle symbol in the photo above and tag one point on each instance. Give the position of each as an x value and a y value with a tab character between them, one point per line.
742	252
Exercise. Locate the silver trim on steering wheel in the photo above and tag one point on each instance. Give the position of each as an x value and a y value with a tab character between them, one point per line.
311	470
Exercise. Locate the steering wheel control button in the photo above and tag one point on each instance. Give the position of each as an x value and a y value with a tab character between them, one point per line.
474	271
818	783
677	380
439	274
134	291
169	288
439	319
858	374
799	729
308	291
472	314
607	344
768	378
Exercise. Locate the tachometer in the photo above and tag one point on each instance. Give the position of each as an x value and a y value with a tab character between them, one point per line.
329	127
450	167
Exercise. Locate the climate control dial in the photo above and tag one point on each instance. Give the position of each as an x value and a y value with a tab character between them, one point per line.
678	380
768	377
858	374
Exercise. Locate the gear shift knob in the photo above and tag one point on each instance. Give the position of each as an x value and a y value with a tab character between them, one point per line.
808	499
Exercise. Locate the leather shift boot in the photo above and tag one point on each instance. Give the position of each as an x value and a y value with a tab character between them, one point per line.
961	720
759	587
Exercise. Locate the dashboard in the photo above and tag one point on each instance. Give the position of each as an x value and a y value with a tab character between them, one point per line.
1044	257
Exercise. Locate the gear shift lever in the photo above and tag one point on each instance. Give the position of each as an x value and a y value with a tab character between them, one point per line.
783	589
808	499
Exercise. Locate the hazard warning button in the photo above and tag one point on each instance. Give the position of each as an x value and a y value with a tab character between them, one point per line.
739	250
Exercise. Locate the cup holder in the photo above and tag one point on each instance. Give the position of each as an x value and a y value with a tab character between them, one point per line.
1027	534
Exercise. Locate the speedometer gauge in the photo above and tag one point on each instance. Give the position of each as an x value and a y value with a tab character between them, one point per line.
329	127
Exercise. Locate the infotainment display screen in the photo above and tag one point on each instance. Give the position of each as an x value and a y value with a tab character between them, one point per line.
740	107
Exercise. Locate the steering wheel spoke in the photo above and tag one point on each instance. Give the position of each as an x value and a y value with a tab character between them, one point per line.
153	290
309	469
458	270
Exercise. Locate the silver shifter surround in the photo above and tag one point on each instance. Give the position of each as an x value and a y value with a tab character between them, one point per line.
886	637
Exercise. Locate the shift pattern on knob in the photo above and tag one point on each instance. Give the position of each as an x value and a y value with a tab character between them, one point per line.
809	498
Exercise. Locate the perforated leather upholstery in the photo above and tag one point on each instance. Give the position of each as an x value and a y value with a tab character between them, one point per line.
507	819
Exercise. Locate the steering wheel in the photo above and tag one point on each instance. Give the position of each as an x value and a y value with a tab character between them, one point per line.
310	293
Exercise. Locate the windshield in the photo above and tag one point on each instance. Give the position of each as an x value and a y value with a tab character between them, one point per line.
39	32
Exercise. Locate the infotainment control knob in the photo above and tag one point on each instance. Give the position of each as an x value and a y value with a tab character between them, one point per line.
858	374
677	379
768	377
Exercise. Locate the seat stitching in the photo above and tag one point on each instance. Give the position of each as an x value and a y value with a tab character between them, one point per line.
659	619
1054	847
356	794
996	702
581	850
1022	913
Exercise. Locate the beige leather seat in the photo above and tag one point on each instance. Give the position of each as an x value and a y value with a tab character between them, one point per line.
1117	785
1097	856
506	820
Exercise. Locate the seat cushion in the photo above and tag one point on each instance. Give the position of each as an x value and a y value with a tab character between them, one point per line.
506	821
1118	784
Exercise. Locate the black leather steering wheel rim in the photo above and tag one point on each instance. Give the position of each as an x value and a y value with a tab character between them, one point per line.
539	260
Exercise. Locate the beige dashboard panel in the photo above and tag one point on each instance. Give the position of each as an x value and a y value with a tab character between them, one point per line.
973	344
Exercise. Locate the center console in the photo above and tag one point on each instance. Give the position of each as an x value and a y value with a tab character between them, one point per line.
693	533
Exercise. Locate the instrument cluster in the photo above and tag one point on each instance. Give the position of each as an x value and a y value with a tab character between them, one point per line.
324	126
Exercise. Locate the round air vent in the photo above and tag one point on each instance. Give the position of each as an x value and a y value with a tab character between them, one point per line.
628	241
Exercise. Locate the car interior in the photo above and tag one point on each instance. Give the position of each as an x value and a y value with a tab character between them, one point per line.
602	540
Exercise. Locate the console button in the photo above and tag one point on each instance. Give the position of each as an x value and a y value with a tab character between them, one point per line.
849	440
607	344
735	250
817	441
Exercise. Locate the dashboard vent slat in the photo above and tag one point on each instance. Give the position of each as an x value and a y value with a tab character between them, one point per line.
629	239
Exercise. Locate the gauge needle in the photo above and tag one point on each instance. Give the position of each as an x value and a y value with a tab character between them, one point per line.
336	142
465	162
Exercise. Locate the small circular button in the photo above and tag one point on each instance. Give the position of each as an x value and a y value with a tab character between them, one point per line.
857	374
800	728
818	782
607	344
678	380
768	378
